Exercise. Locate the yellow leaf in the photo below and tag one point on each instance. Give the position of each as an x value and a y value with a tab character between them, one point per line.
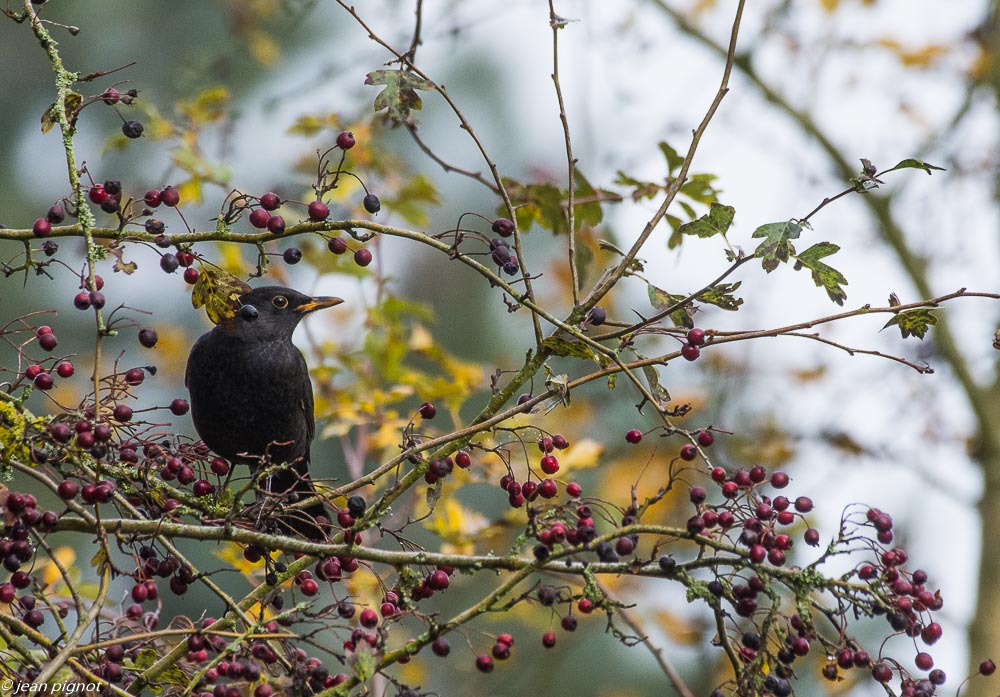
679	629
457	526
263	47
219	292
190	191
231	553
231	258
829	5
421	339
922	57
581	454
209	105
50	572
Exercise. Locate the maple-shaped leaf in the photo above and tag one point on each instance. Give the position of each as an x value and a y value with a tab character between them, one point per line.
913	322
662	300
722	296
219	291
715	222
824	276
776	247
400	96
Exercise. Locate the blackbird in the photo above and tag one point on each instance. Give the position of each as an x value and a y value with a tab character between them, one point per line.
251	399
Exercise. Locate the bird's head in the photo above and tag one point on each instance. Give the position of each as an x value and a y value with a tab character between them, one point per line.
274	310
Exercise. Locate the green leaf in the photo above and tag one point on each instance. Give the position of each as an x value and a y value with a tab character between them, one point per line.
776	247
722	297
716	222
655	388
640	189
823	276
913	322
699	188
589	213
567	347
915	164
662	300
400	96
412	199
674	160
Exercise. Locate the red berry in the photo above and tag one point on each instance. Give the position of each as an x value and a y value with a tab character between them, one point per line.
43	381
219	466
548	488
690	352
179	407
696	337
170	196
705	438
463	459
362	257
345	140
803	504
48	341
191	275
203	487
428	410
438	580
152	198
259	218
549	464
134	376
987	667
68	490
924	661
270	201
309	587
811	536
931	633
82	300
549	639
573	489
441	647
65	369
688	452
633	436
882	672
185	258
779	480
276	224
97	194
96	299
337	245
110	96
122	413
42	227
484	663
318	211
368	618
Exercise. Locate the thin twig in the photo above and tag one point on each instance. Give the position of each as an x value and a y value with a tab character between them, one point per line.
557	23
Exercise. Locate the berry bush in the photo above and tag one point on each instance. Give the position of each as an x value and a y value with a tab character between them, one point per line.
410	571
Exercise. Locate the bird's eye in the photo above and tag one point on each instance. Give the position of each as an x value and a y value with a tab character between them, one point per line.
280	302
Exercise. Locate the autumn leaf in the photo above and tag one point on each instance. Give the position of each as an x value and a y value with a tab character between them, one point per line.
71	104
913	322
219	292
400	96
716	222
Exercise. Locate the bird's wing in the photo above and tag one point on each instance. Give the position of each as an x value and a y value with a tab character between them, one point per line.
306	402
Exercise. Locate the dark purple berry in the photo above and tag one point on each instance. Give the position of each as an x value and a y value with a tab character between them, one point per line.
372	204
362	257
318	211
170	196
292	255
132	129
337	245
270	201
147	337
169	263
503	227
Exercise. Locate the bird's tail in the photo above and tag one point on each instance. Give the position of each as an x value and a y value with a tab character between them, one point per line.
294	484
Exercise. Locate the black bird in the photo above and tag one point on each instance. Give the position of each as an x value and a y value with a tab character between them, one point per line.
251	399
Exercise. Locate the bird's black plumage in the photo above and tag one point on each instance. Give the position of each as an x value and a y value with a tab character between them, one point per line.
251	398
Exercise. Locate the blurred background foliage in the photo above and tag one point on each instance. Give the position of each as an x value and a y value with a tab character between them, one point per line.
243	94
